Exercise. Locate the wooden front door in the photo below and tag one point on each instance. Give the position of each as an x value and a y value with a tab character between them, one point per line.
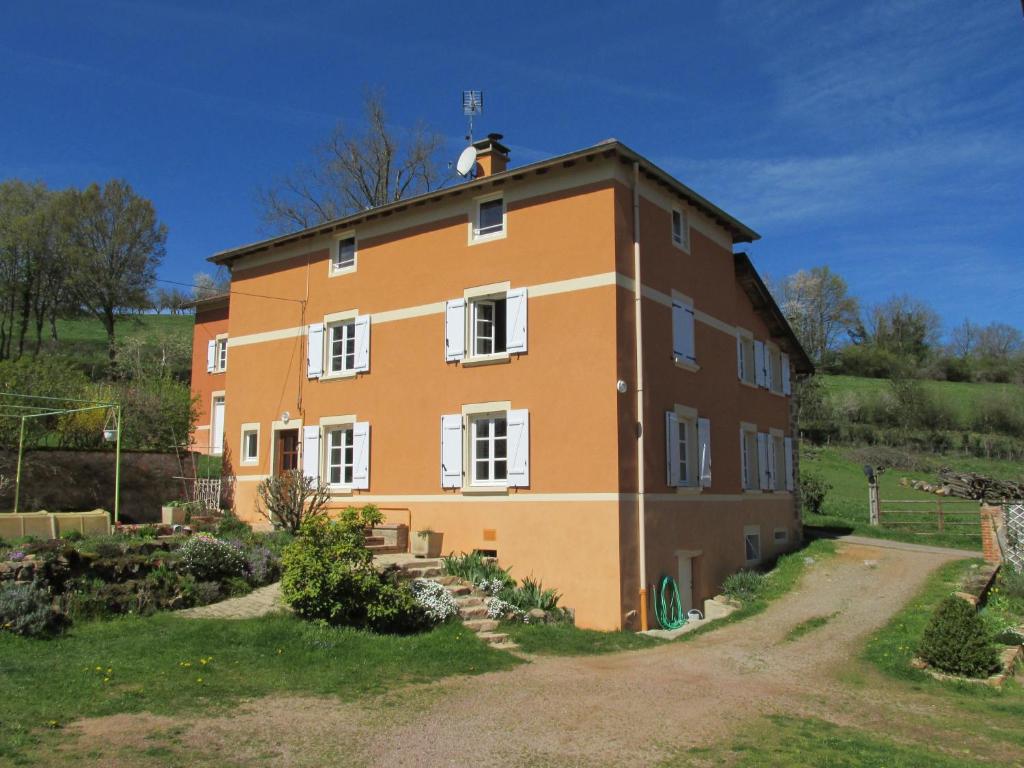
287	453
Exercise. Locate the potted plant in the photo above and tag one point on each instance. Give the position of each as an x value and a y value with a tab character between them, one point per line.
427	543
176	512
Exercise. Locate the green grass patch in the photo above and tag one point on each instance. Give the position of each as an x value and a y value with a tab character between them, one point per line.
892	647
813	743
565	639
805	627
166	664
83	340
962	397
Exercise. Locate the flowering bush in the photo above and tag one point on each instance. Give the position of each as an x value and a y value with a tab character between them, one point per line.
26	609
491	586
16	555
210	559
262	565
436	601
501	609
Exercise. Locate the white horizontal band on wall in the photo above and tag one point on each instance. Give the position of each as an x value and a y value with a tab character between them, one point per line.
571	285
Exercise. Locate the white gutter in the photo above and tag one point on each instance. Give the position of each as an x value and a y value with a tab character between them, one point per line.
641	527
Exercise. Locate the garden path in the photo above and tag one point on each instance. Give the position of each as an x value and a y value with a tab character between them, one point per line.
636	707
257	603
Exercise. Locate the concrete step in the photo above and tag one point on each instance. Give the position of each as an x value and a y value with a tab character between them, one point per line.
493	638
421	563
481	625
473	612
384	549
508	645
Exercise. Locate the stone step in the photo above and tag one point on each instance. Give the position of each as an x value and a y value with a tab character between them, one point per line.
373	541
493	638
384	549
460	590
423	563
467	600
507	645
423	573
481	625
473	612
446	581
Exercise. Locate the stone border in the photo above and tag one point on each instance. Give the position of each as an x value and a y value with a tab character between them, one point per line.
1007	662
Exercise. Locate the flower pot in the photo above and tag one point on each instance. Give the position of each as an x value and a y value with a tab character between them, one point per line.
172	515
426	543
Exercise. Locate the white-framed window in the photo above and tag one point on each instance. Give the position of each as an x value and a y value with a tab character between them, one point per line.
336	452
250	444
751	544
343	254
680	229
217	354
488	324
750	467
489	219
684	349
341	347
222	353
339	459
745	357
486	447
687	448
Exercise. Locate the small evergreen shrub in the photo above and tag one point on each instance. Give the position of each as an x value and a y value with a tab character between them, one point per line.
26	609
813	491
744	585
210	559
957	640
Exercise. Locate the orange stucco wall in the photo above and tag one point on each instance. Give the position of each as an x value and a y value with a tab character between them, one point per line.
575	526
209	323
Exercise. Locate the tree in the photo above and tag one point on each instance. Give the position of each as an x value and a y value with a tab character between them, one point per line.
905	326
816	303
353	171
205	285
117	244
999	341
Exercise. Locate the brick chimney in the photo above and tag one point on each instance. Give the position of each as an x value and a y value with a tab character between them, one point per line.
491	155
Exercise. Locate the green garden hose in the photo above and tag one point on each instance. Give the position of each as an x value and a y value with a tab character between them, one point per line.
669	612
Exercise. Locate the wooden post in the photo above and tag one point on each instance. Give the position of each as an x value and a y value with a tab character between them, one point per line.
874	505
939	505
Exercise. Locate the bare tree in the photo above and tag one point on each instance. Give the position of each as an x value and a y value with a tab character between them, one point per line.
817	305
904	325
117	245
353	171
964	339
205	285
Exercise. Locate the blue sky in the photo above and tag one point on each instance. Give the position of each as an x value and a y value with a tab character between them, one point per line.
883	138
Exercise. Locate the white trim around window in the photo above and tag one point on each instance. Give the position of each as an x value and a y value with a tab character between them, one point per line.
687	449
745	357
250	444
485	224
486	448
487	325
680	229
345	345
344	254
749	464
684	345
344	454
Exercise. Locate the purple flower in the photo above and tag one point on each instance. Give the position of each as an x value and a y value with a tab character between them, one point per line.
16	555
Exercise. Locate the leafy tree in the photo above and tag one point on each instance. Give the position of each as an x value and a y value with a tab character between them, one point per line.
819	308
905	326
117	244
352	171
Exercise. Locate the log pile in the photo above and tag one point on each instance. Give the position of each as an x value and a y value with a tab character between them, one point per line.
970	485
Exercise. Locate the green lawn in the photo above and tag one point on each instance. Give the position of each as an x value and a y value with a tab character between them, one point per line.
165	664
84	340
961	396
847	502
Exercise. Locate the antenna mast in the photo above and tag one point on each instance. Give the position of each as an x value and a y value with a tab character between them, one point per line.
472	105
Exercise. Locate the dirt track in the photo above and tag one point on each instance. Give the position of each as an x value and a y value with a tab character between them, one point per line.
603	710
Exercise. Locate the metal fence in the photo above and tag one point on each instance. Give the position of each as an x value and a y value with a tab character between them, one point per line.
952	517
1015	535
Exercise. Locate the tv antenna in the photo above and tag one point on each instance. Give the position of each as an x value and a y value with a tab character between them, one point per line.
472	105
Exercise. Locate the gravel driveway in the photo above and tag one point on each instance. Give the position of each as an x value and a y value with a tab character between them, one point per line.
599	710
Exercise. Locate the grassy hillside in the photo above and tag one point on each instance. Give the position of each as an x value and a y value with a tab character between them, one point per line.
961	397
84	340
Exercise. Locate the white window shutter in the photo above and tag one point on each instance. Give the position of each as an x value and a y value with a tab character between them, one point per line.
744	470
761	377
672	448
361	455
362	331
519	448
769	368
211	356
451	450
704	447
786	386
455	332
311	453
515	321
689	334
790	485
678	331
315	351
762	460
739	358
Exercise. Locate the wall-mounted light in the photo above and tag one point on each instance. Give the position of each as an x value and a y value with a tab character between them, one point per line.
621	386
285	417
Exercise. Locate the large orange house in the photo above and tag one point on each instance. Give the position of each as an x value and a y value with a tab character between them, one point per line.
566	364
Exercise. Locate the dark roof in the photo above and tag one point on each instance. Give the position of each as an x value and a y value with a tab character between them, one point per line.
739	231
765	305
209	302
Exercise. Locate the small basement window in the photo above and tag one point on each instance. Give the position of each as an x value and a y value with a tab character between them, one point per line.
752	544
781	535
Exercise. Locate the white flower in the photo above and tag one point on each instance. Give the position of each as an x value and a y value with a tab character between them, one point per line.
436	601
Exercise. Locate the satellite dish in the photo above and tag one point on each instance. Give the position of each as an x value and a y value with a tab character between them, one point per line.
467	162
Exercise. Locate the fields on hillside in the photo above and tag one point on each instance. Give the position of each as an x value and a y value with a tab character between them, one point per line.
960	396
84	340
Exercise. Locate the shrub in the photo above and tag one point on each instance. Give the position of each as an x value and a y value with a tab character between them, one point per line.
231	527
237	587
957	640
286	500
262	565
72	535
744	585
531	595
329	576
1001	413
434	600
813	491
210	559
26	609
206	592
1011	582
474	568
